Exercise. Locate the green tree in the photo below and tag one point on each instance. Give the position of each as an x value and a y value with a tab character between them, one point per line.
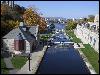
85	19
91	18
52	26
71	25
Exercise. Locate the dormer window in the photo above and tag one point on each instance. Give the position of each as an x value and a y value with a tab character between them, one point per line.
97	21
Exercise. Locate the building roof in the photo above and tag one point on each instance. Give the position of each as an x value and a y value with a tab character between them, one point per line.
34	30
29	34
19	37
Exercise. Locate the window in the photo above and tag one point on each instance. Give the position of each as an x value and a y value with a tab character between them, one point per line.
7	40
7	48
94	41
88	36
97	21
90	39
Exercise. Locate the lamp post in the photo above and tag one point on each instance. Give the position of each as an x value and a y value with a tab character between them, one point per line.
29	61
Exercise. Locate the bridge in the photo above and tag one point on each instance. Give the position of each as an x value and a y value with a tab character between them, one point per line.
63	42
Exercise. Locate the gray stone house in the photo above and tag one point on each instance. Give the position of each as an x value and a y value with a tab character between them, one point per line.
23	39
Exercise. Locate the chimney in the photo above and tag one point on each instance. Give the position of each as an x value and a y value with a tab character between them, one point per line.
22	26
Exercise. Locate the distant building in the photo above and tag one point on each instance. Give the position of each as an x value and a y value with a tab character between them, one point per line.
10	3
81	18
73	19
22	39
96	20
55	19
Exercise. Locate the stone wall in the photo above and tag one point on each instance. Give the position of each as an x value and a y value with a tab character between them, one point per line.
87	37
8	44
28	46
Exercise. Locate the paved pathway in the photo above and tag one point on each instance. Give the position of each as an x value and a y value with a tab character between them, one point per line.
36	58
34	62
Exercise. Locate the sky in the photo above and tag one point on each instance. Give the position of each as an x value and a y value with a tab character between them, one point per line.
65	9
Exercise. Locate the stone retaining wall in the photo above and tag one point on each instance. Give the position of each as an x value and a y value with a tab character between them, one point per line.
39	59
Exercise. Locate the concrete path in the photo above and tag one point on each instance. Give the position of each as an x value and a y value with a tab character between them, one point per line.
9	65
34	62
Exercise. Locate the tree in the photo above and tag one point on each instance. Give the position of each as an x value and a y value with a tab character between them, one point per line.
9	18
33	18
52	26
71	25
30	17
9	13
91	18
85	19
5	9
19	9
42	25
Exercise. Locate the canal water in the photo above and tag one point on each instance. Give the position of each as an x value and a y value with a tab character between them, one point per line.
62	60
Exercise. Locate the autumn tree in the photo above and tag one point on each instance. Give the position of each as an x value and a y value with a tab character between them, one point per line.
42	25
5	11
19	9
31	17
9	18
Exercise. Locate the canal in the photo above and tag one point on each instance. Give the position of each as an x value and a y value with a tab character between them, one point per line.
62	60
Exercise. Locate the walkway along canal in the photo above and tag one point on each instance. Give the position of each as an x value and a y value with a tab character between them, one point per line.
62	60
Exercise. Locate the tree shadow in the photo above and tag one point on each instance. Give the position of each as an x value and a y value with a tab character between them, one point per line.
39	48
6	55
7	68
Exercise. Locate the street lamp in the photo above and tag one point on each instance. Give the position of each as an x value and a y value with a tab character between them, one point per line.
28	55
29	60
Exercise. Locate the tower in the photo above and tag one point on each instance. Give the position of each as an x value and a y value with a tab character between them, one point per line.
10	3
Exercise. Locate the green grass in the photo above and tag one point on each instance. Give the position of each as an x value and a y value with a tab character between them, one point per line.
45	37
89	52
92	56
3	67
71	34
18	61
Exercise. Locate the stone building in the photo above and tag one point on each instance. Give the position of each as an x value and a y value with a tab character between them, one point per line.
22	39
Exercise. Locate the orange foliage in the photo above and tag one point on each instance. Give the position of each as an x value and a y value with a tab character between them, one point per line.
32	18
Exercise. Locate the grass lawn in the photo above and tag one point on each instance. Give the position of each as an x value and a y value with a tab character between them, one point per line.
18	61
92	56
71	34
89	52
3	67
